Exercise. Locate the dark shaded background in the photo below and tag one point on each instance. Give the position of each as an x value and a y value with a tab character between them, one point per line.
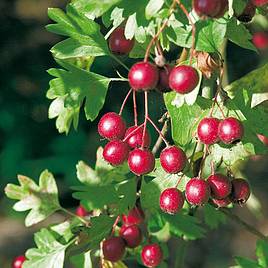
30	143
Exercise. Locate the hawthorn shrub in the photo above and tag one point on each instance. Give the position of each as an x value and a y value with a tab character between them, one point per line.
138	187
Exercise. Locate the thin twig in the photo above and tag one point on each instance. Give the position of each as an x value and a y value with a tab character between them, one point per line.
159	141
146	114
125	101
135	108
87	223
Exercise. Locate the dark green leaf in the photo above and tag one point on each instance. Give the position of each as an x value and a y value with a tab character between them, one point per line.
262	253
246	263
213	217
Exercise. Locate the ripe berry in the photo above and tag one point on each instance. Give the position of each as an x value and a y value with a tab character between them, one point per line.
263	139
222	203
240	191
173	159
248	13
163	83
113	249
207	130
220	186
197	192
135	139
81	211
119	44
183	79
115	152
112	126
230	130
171	200
143	76
208	8
260	40
141	161
132	235
259	3
135	217
151	255
223	8
18	261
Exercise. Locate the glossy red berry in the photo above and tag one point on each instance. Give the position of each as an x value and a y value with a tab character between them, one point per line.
113	249
132	235
143	76
259	3
223	8
263	139
112	126
208	8
207	130
240	191
173	159
118	43
135	140
248	13
116	152
163	83
18	261
81	211
197	192
135	217
151	255
171	200
220	186
222	203
260	40
141	161
183	79
230	130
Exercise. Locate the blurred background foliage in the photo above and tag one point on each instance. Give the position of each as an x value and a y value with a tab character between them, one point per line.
30	143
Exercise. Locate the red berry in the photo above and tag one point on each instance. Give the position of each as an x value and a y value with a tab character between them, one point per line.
207	130
115	152
135	139
259	3
173	159
143	76
223	8
171	200
230	130
197	192
248	13
263	139
141	161
113	249
240	191
132	235
112	126
119	44
18	261
222	203
208	8
260	40
151	255
163	83
183	79
81	211
220	186
135	217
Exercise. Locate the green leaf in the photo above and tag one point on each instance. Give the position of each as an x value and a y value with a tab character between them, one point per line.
48	254
246	263
83	260
213	217
262	253
42	200
153	8
73	86
131	26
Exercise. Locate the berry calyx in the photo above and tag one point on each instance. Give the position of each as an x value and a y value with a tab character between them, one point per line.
221	203
18	261
135	140
207	130
173	159
151	255
183	79
143	76
259	3
260	40
112	126
141	161
81	211
171	200
248	13
240	191
135	217
208	8
113	249
115	152
230	130
132	235
220	186
163	83
118	43
197	192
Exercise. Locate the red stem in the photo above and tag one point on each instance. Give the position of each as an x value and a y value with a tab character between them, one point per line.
179	180
135	108
125	101
146	114
114	225
132	132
